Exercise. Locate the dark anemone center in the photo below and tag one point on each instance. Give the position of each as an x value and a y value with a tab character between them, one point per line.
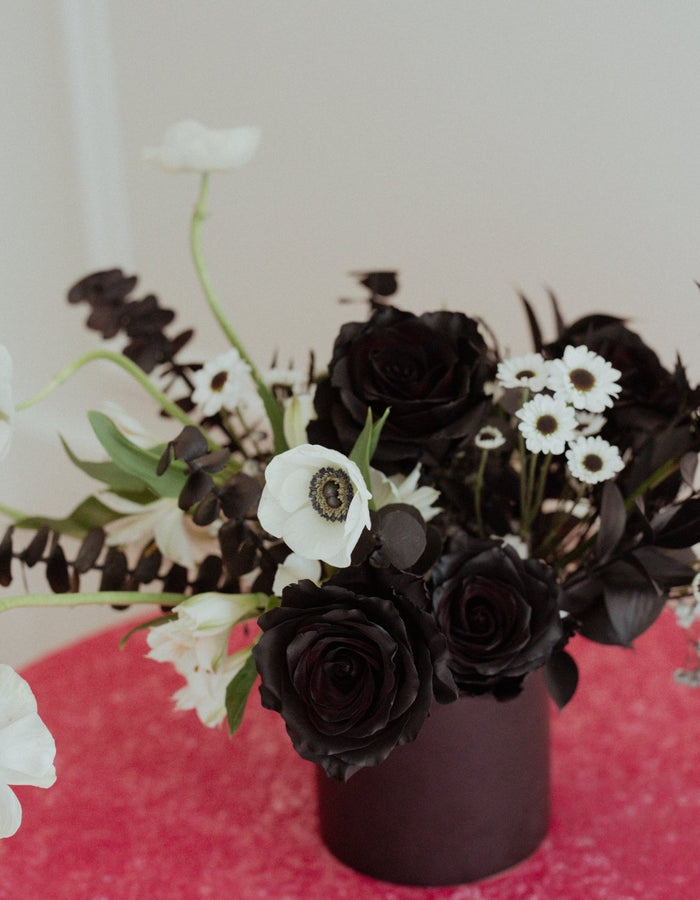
331	493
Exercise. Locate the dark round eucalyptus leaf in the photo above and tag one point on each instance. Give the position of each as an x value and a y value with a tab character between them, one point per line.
208	575
34	551
196	488
57	570
240	495
190	444
148	565
115	571
207	510
400	529
89	551
175	581
6	557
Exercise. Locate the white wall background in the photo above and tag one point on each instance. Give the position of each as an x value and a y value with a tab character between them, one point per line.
478	147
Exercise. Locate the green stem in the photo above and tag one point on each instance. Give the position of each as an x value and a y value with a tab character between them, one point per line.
477	493
101	598
272	407
166	404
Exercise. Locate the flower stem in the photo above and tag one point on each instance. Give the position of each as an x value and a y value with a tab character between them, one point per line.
652	481
166	404
101	598
477	493
272	407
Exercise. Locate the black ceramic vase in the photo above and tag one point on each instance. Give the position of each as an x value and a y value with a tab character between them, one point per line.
467	799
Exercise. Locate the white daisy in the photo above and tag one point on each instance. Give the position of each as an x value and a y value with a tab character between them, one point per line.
593	459
404	489
27	749
585	379
589	423
547	424
489	437
316	500
224	382
528	371
190	146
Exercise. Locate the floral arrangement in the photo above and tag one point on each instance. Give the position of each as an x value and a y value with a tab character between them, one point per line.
422	519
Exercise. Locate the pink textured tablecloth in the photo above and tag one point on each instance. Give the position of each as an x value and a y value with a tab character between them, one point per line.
149	804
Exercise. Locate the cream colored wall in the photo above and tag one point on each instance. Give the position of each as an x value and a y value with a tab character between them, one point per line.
479	148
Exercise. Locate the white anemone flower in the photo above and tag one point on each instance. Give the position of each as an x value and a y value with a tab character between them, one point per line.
585	379
295	568
7	407
404	489
27	748
547	424
531	370
316	500
175	534
224	382
190	146
593	459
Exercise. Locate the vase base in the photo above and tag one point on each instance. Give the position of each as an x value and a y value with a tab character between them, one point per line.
468	800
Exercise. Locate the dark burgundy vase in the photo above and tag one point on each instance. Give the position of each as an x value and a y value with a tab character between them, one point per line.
467	799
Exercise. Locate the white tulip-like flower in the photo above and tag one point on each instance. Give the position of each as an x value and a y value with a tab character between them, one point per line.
7	407
298	412
404	489
547	424
190	146
295	568
224	382
27	748
528	371
175	534
196	643
593	459
316	500
585	379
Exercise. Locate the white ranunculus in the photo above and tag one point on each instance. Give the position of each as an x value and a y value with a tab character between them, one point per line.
404	489
295	568
7	407
190	146
27	749
316	500
176	536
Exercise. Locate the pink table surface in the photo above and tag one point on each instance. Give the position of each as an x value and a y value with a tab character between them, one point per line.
149	804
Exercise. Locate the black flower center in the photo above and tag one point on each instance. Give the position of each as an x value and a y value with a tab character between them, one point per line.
582	379
592	462
218	381
331	493
547	424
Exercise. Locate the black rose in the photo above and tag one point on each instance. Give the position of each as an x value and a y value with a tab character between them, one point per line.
429	369
499	613
352	666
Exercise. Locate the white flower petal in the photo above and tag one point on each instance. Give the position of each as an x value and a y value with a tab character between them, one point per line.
10	812
295	568
190	146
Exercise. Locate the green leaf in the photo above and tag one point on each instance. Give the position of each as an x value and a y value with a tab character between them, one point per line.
109	473
151	623
366	443
136	461
237	693
88	514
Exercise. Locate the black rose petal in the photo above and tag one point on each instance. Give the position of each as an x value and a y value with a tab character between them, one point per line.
353	666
